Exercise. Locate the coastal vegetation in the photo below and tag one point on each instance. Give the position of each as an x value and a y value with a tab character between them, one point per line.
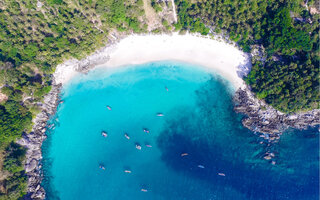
285	32
35	36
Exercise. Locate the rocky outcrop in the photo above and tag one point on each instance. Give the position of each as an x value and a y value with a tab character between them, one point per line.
99	57
33	142
262	118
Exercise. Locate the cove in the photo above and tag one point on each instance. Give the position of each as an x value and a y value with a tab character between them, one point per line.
224	160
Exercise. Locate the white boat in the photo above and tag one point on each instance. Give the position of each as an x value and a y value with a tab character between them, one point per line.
109	107
184	154
127	171
138	147
127	136
144	190
221	174
201	166
160	114
148	145
104	134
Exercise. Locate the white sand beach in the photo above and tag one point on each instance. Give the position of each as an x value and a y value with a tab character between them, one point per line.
220	57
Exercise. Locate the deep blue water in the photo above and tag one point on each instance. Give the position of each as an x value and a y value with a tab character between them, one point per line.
198	120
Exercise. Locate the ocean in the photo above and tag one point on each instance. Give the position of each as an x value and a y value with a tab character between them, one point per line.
193	145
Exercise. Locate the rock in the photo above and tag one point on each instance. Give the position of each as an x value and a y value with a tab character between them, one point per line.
31	166
39	4
37	155
38	187
292	117
23	141
40	194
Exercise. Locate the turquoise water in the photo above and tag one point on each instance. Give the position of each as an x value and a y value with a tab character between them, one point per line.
198	120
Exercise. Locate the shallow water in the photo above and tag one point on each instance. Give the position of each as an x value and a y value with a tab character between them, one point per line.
198	120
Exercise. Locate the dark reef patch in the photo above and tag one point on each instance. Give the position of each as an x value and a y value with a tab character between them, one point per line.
213	137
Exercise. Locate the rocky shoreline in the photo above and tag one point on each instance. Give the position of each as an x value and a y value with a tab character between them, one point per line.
86	64
262	118
33	142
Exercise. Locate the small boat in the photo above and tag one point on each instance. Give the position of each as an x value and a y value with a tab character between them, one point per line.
146	130
184	154
221	174
127	136
102	167
127	171
148	145
61	102
201	166
167	89
109	107
138	147
267	157
104	134
144	190
160	114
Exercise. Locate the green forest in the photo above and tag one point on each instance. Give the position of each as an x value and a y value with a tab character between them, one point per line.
35	36
288	79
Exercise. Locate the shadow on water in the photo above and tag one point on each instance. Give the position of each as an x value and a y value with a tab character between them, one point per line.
213	137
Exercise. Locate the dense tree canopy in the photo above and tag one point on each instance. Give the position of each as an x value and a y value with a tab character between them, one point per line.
288	79
14	119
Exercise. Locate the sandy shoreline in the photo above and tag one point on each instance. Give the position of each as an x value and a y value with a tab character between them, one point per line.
220	57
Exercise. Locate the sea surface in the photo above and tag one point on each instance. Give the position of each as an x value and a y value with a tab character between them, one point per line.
200	150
